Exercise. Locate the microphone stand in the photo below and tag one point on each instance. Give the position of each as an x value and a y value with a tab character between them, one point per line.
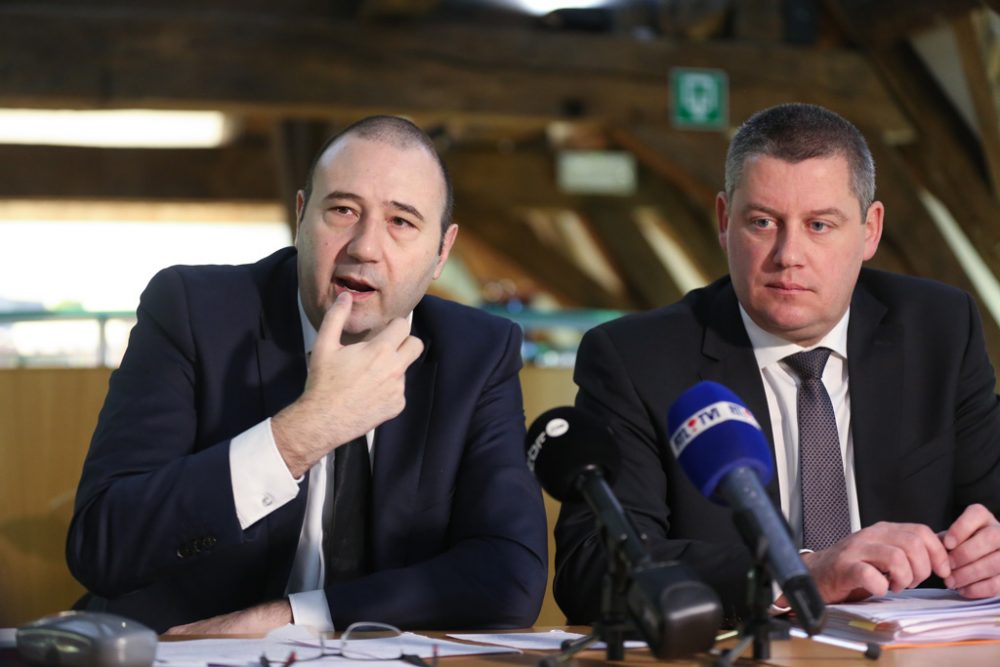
614	624
761	627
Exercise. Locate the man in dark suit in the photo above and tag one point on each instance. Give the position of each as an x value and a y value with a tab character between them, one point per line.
205	502
909	389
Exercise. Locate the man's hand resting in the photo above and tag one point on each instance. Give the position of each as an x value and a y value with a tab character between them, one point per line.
258	619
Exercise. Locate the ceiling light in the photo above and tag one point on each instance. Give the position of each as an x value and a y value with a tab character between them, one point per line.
540	7
123	128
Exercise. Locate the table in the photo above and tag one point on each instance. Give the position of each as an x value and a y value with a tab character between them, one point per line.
789	653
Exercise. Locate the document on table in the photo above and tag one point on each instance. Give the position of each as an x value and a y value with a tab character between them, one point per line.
243	652
534	641
921	615
8	637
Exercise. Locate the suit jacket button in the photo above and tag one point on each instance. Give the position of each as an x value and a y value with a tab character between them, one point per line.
207	542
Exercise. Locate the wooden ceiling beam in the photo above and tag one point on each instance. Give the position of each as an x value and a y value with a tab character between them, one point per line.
969	43
295	143
613	222
890	21
308	68
944	159
233	173
511	237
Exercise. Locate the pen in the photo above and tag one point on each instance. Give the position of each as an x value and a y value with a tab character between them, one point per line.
871	650
434	661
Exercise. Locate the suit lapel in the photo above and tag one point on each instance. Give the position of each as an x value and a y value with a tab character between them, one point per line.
399	451
875	367
282	366
280	351
730	361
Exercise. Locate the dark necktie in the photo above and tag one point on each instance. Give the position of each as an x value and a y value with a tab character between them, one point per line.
346	525
826	518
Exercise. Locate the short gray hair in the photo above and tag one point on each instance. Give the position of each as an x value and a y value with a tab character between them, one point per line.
797	132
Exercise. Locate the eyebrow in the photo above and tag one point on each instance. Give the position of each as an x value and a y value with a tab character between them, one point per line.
832	211
340	194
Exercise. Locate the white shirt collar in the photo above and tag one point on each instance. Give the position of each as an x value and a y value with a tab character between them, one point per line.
309	332
769	348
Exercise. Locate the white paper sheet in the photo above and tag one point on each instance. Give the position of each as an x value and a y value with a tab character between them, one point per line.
534	641
246	652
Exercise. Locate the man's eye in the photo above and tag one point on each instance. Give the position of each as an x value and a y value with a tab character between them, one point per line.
761	223
401	222
819	226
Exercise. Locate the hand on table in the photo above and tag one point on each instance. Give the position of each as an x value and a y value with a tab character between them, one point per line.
259	619
973	544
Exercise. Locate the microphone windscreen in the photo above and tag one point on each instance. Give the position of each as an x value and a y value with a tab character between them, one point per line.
712	433
565	442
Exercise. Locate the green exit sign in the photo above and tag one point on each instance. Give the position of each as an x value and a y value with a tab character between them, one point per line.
699	98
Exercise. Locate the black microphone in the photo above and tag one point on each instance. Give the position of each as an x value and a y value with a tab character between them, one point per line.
573	455
722	449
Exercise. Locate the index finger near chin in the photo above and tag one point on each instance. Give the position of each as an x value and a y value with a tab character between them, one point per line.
332	326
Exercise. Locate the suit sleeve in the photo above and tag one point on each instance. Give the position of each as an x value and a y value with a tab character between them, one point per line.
977	425
607	392
493	572
148	503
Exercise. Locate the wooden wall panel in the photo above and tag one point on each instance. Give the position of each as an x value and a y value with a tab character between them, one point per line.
46	420
546	388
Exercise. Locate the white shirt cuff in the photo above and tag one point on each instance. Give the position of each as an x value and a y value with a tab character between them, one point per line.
260	479
310	608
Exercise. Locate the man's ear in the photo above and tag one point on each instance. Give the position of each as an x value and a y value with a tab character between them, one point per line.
722	220
447	241
300	208
873	228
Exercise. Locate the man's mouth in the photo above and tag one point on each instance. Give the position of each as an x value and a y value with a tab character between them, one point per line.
353	285
788	286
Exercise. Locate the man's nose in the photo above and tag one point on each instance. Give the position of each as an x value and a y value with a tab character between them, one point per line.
788	248
365	244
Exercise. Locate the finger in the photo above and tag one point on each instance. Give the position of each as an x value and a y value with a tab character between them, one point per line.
932	552
983	542
894	563
965	526
907	553
332	326
411	349
979	570
867	577
985	588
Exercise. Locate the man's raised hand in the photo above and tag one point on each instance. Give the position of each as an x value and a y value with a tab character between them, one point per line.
350	390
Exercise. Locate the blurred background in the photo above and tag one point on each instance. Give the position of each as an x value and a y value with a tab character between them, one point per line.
585	139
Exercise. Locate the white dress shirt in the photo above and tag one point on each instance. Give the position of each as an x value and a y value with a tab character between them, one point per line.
262	483
781	389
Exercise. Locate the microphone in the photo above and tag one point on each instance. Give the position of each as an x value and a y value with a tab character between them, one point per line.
721	448
573	455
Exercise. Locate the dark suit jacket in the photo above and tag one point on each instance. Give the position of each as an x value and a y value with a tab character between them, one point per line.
924	417
458	522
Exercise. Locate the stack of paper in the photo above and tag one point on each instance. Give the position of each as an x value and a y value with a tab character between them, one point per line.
914	617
